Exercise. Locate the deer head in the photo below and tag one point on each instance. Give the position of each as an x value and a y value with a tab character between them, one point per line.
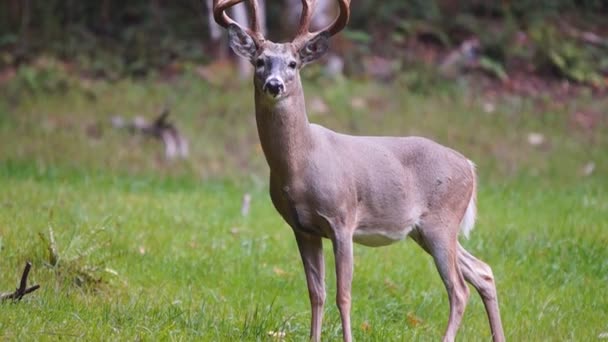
277	65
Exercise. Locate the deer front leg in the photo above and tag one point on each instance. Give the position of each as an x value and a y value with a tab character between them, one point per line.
343	251
311	251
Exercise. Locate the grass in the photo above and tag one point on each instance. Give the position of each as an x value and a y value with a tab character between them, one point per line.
152	250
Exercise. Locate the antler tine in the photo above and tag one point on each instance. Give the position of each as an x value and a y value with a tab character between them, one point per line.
220	16
308	7
342	18
255	19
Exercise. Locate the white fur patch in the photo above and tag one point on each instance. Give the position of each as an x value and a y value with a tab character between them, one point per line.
468	220
378	238
277	77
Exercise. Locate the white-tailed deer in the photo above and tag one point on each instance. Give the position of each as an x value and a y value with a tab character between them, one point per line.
369	190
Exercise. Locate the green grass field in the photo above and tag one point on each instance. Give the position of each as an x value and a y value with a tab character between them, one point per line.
155	250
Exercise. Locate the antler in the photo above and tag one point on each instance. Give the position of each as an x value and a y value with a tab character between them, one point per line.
220	16
308	8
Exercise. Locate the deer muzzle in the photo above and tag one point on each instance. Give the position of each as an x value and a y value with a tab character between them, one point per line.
274	86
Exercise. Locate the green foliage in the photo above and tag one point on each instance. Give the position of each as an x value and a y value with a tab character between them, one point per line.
44	76
422	79
534	10
367	14
493	67
113	38
420	9
566	56
414	28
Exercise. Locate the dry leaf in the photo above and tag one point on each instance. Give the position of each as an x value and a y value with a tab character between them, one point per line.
278	271
588	169
536	139
278	335
366	327
413	320
489	107
358	103
111	271
390	284
246	204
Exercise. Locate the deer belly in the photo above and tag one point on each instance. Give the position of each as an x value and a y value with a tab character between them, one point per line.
379	237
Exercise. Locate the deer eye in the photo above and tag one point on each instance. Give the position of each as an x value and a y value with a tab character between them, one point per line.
259	63
292	64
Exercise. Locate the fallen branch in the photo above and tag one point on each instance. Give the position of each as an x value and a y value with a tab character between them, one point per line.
22	290
176	145
460	59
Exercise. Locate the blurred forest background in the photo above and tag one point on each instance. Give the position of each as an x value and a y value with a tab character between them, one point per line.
121	64
565	39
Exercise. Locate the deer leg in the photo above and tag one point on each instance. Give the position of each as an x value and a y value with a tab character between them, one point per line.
311	251
443	249
343	251
479	274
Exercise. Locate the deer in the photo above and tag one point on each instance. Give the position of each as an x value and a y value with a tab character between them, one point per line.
368	190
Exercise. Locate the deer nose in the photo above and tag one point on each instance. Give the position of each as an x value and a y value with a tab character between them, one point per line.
274	86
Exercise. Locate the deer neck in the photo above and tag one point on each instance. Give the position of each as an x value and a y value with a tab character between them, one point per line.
284	131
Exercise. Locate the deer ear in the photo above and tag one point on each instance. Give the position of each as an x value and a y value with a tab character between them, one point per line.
241	42
315	48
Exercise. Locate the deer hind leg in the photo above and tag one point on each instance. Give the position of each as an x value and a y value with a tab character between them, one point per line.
443	249
343	251
479	274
